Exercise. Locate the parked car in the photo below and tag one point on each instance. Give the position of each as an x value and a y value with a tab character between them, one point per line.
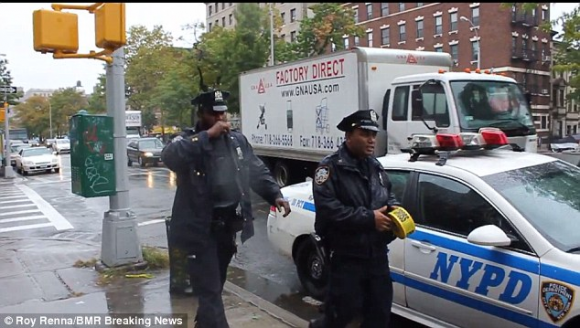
14	150
36	159
61	146
496	241
144	151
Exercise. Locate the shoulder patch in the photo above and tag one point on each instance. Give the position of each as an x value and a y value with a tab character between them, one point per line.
321	174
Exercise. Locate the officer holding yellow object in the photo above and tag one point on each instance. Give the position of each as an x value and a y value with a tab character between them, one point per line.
353	199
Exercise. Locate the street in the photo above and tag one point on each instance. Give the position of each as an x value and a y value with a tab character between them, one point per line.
42	205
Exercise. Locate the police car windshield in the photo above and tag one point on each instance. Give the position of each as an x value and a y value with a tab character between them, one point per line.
548	195
492	103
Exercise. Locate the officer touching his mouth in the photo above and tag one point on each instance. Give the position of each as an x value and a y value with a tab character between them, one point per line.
216	168
352	194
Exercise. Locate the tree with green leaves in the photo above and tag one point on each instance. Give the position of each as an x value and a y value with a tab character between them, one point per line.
329	23
97	100
33	114
567	43
65	103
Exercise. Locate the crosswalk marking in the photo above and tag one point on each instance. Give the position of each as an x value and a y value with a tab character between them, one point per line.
20	204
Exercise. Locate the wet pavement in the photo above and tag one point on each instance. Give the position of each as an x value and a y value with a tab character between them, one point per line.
258	267
38	276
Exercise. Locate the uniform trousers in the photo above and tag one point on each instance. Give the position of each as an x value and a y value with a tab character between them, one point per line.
208	276
358	287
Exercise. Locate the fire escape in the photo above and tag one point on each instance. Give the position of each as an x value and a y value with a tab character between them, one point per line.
525	50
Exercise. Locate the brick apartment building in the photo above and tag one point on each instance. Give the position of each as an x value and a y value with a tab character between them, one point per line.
511	41
291	13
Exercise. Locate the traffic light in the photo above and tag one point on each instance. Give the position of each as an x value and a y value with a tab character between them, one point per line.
110	26
55	30
3	112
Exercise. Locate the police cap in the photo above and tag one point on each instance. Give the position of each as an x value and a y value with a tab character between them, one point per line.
364	119
214	99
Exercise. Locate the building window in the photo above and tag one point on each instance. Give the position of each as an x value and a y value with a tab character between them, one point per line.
384	8
420	4
231	19
455	53
534	17
283	16
544	15
356	15
223	21
356	41
475	50
475	16
420	29
514	45
370	11
283	37
544	123
223	5
292	15
210	10
402	32
209	27
346	43
385	36
453	20
438	25
216	7
439	49
217	23
534	48
401	6
293	36
370	38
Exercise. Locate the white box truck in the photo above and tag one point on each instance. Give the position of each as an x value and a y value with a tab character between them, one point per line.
133	123
290	112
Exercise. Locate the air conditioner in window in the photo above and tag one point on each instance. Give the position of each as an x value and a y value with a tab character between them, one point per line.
544	91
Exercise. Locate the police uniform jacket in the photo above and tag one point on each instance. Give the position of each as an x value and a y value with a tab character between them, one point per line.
191	159
345	201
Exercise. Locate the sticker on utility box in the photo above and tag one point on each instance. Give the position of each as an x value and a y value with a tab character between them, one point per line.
108	157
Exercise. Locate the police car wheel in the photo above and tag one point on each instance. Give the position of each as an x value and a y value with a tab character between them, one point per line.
312	273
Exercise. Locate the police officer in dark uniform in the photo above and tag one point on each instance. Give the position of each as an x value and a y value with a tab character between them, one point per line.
352	194
215	168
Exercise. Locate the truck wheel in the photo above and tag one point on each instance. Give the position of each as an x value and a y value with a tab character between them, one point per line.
281	174
312	273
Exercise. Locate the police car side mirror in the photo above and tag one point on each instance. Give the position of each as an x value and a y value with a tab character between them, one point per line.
489	235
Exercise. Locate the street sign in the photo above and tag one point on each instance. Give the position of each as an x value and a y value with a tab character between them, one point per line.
8	89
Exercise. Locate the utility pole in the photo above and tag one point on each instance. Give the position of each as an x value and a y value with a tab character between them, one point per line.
8	171
271	35
50	118
120	242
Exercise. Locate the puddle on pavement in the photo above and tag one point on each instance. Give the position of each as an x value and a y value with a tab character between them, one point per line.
284	297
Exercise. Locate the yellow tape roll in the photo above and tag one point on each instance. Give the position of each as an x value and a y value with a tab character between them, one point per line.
403	222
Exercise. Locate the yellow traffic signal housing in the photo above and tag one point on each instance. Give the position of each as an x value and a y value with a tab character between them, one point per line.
55	30
2	115
110	31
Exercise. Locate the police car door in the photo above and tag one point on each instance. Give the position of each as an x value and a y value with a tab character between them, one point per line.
459	282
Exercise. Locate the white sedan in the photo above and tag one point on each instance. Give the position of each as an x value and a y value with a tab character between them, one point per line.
497	240
36	159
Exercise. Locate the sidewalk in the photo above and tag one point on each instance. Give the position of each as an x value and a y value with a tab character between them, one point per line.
37	276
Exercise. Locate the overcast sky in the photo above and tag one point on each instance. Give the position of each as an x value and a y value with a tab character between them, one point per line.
31	69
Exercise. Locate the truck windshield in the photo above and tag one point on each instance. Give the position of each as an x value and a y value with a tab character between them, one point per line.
492	104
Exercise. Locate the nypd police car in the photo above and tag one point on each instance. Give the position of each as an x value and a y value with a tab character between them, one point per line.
496	241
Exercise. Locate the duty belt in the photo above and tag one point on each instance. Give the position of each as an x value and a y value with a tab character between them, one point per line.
226	219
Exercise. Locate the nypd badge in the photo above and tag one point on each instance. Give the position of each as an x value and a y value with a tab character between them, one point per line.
374	117
218	96
557	299
321	175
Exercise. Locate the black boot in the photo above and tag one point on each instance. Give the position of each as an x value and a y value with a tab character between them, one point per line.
316	323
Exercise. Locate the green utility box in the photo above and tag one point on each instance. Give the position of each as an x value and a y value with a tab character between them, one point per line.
92	162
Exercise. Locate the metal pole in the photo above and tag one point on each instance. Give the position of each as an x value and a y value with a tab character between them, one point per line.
120	242
271	36
8	171
50	118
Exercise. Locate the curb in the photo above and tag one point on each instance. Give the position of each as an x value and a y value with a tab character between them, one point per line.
270	308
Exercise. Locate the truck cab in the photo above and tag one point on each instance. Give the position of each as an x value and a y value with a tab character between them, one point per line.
454	102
